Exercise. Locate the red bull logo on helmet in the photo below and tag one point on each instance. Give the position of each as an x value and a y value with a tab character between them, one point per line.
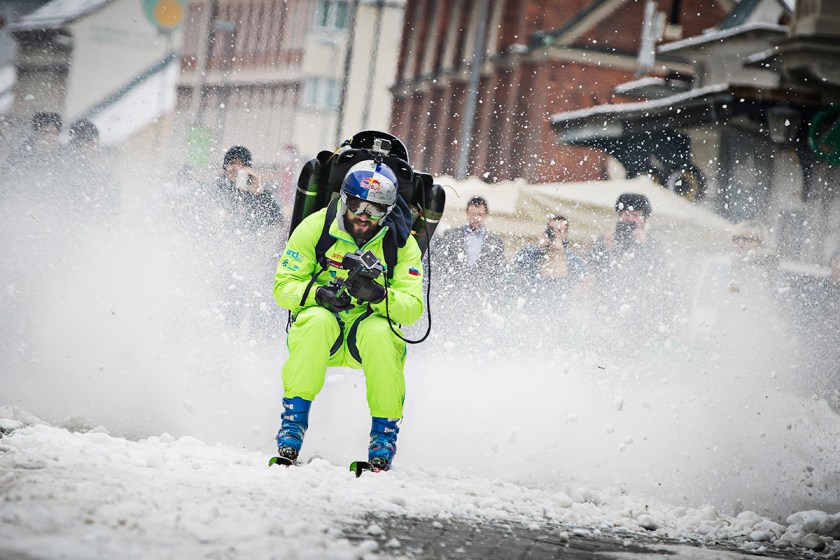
372	183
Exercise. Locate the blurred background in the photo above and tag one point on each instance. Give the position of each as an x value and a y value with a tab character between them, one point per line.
730	104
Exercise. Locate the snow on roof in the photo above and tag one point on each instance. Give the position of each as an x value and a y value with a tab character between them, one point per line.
641	82
57	13
720	35
640	106
668	86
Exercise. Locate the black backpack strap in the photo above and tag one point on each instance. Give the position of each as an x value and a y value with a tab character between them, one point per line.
389	248
324	242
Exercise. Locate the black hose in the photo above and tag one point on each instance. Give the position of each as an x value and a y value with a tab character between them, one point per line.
428	286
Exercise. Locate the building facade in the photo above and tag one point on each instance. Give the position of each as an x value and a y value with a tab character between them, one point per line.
754	130
286	79
86	60
537	58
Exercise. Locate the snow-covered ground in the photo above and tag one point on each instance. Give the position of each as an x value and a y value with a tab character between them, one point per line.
87	494
138	419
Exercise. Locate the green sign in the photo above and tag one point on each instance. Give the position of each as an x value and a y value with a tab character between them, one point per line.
824	135
198	146
167	15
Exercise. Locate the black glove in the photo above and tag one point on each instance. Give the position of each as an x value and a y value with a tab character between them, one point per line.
327	298
366	289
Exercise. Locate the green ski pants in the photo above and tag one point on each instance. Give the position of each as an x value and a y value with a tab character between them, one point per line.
319	339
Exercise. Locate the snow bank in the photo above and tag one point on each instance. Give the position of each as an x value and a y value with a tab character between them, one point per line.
92	495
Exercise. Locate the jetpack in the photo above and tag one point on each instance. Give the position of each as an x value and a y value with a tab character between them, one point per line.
320	181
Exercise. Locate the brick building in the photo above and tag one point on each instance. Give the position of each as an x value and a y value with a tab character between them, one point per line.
542	57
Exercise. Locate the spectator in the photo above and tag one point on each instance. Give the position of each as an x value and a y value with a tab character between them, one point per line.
91	186
84	136
629	277
34	162
628	259
737	309
43	144
471	253
754	265
245	203
551	257
542	276
833	282
244	231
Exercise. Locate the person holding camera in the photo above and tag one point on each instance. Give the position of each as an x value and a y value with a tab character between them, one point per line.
346	309
629	272
241	223
629	241
245	204
545	273
550	259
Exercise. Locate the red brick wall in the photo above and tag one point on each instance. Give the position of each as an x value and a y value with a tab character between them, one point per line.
502	122
481	129
405	40
438	134
440	33
423	32
512	132
622	30
398	117
511	30
546	15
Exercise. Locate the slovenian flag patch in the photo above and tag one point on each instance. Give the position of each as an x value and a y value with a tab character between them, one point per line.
413	272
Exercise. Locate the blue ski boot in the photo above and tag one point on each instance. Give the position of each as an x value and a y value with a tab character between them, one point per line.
293	428
383	442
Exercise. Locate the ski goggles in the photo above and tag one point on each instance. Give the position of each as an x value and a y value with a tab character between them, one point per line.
357	207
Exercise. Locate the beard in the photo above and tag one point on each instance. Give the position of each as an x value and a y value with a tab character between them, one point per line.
361	230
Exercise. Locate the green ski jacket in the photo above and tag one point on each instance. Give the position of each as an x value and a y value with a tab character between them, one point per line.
298	264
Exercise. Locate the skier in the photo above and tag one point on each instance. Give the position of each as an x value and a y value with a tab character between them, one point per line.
336	322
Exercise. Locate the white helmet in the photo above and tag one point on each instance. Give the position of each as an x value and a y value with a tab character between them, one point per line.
371	181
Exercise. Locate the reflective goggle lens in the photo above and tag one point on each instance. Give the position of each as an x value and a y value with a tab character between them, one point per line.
358	207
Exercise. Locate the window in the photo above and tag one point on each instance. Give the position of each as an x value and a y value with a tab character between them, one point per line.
321	93
332	14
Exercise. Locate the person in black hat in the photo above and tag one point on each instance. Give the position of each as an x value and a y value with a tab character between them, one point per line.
245	202
633	212
629	274
245	228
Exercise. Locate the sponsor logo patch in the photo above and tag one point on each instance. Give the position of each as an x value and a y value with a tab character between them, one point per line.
371	184
289	266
